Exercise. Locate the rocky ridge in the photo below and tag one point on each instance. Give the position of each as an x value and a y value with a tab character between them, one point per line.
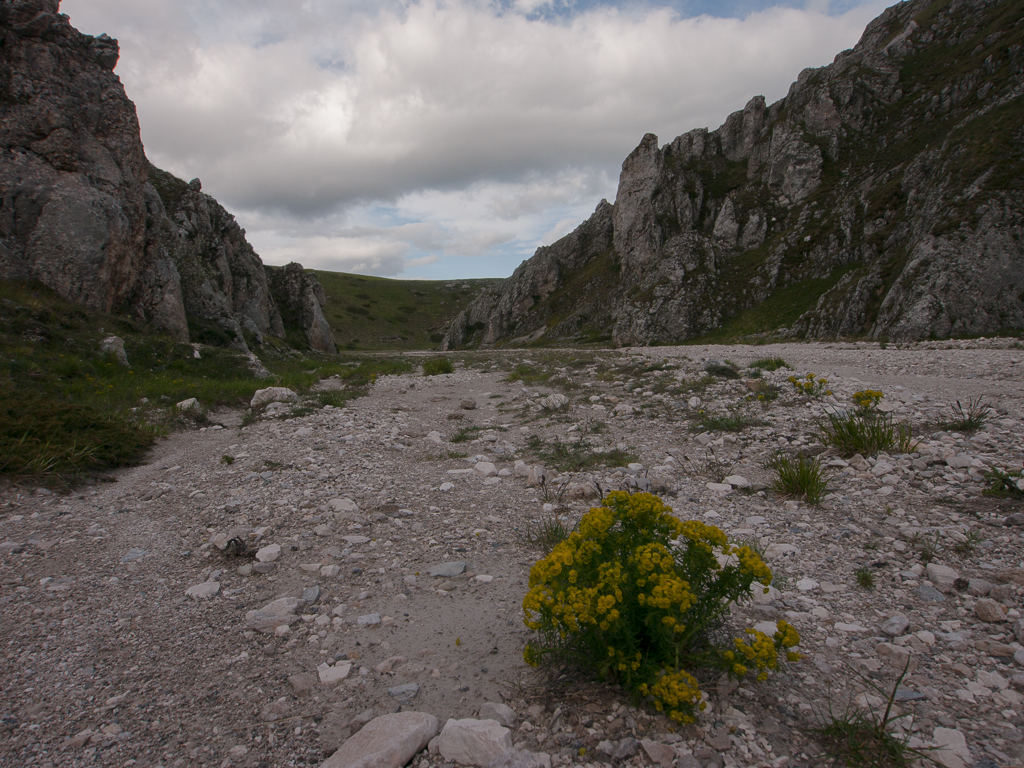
263	594
879	198
83	212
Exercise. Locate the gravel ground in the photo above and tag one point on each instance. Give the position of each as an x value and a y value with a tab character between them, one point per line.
129	611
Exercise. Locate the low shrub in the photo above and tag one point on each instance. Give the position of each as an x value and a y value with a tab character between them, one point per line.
437	365
633	594
798	476
865	433
722	371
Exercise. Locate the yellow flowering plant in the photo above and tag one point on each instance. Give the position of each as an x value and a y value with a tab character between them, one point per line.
811	385
632	594
867	399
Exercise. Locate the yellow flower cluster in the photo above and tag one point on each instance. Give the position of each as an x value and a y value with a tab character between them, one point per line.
752	563
631	594
867	398
676	693
811	385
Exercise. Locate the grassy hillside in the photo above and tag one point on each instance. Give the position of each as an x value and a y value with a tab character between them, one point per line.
378	313
68	410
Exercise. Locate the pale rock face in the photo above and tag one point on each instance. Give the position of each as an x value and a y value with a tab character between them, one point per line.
86	214
694	239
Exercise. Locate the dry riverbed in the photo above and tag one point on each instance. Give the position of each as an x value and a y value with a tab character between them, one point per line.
138	631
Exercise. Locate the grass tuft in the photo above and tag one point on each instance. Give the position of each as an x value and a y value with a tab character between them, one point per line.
865	578
968	419
770	364
865	433
798	476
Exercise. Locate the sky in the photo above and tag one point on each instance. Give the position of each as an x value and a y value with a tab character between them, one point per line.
440	139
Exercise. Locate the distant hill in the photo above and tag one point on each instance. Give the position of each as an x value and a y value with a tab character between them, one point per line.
378	313
882	197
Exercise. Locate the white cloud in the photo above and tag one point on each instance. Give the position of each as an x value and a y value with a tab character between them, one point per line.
487	125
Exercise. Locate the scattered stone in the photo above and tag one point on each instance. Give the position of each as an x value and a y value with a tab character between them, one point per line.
114	345
280	612
929	594
952	749
626	749
446	570
302	682
203	591
519	759
502	713
989	611
485	469
369	620
468	405
191	405
404	693
389	741
662	754
896	625
269	553
942	576
474	742
273	395
329	675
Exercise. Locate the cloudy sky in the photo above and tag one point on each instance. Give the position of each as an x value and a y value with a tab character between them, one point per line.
440	138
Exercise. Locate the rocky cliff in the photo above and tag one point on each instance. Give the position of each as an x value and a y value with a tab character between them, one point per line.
882	197
82	210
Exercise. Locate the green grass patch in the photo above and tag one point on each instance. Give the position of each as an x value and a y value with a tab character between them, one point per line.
437	365
733	422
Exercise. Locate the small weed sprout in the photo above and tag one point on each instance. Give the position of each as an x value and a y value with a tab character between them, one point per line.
226	459
1005	485
865	578
967	547
861	739
798	476
811	386
631	596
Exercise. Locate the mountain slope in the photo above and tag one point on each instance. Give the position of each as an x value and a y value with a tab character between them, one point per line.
83	211
881	197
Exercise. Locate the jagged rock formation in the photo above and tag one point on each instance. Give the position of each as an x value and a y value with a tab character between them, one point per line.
301	296
881	197
84	212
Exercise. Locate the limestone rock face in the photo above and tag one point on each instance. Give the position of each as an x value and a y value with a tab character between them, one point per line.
301	297
881	197
83	211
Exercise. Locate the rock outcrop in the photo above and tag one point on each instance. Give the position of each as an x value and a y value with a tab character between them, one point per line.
300	296
83	212
881	197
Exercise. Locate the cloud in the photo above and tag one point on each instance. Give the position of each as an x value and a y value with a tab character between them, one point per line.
490	122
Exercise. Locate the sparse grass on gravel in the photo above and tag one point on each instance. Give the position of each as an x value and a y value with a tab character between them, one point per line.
798	477
968	419
865	433
860	738
577	456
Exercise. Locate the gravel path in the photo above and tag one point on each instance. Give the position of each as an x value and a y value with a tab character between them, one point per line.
133	631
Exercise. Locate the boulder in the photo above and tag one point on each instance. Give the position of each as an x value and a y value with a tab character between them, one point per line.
273	395
389	741
474	742
114	345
